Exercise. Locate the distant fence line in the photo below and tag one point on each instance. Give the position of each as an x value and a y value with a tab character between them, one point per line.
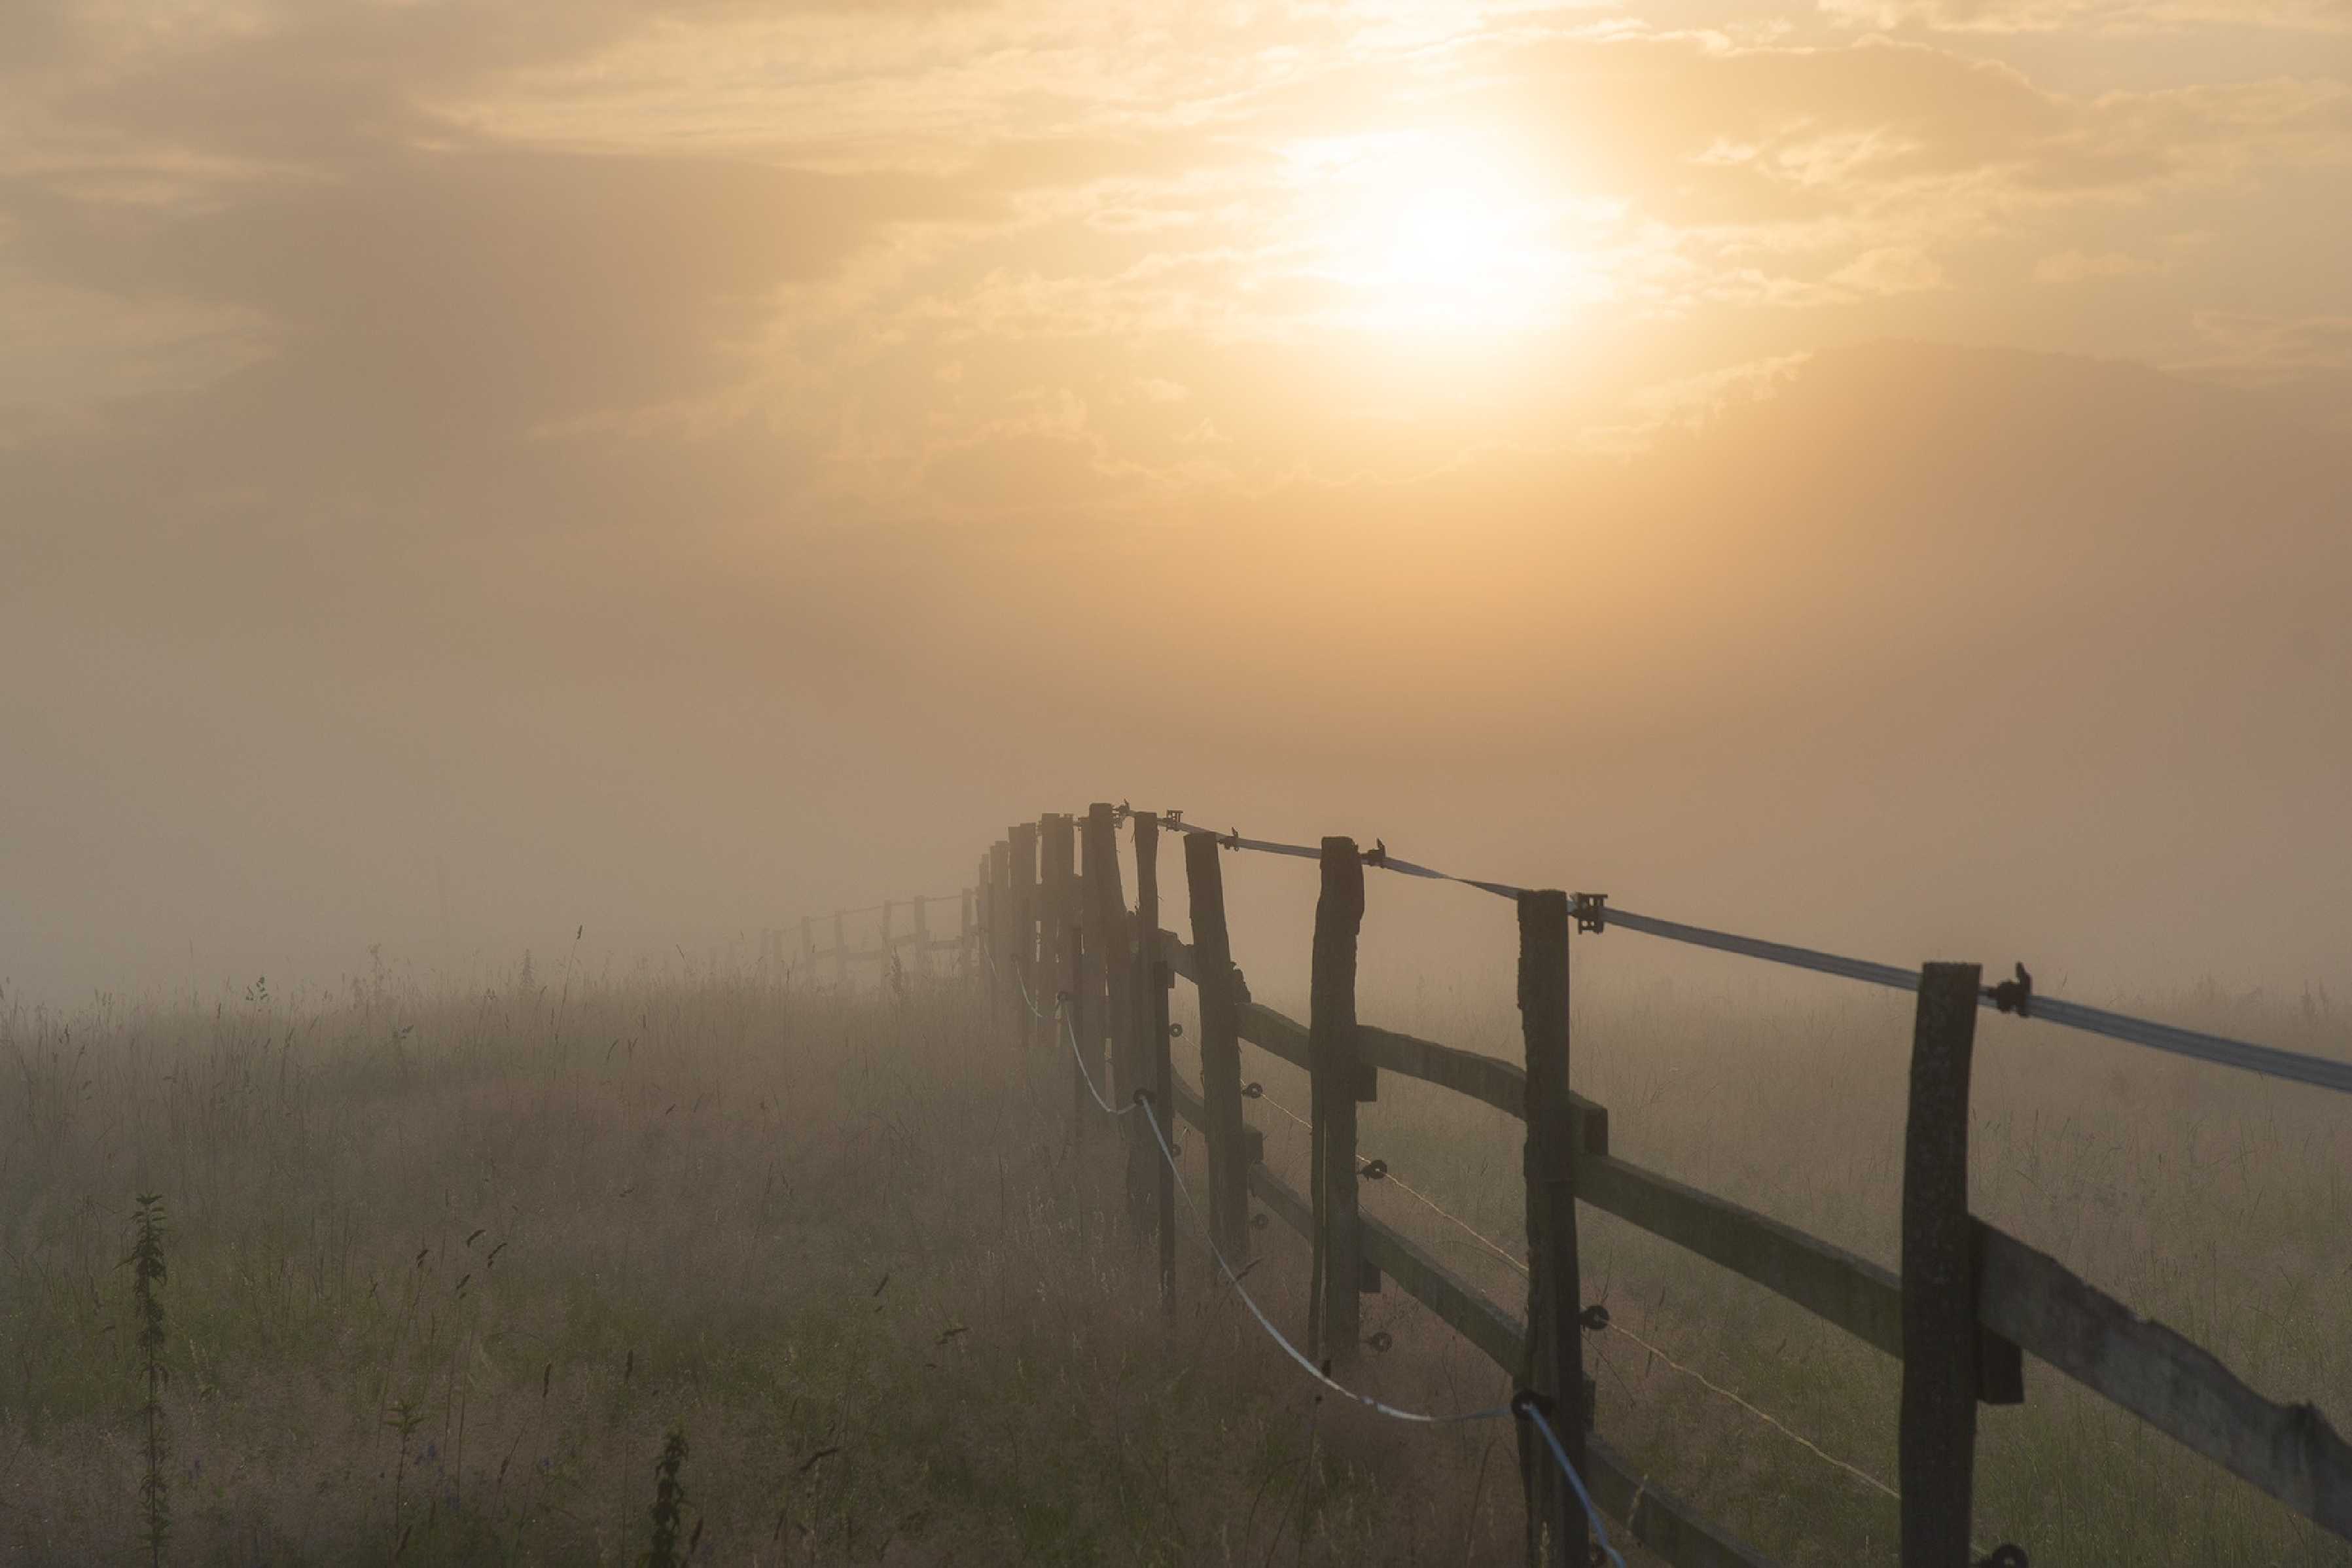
1047	918
888	942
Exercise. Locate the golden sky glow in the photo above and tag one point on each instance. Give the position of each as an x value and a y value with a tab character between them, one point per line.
466	406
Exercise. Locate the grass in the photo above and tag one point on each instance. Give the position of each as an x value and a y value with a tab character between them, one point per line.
448	1271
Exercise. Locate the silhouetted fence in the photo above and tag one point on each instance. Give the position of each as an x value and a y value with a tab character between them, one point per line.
1050	920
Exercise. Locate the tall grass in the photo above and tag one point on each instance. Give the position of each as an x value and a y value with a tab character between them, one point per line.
446	1267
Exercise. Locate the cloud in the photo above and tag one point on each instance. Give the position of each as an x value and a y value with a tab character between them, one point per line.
2081	266
1889	269
1692	402
2254	350
2097	15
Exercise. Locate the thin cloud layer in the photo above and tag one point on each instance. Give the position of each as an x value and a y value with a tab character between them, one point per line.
522	412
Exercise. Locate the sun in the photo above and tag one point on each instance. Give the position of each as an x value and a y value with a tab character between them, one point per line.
1419	232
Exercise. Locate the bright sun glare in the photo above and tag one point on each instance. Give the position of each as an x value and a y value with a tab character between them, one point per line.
1421	232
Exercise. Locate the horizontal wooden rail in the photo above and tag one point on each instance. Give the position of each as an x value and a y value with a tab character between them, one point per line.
1261	1026
2181	1389
1850	1291
2024	1296
1488	1079
1470	1312
1659	1519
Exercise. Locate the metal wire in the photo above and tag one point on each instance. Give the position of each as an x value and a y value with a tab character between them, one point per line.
1518	1408
1151	1118
1599	1531
1497	1248
2267	1061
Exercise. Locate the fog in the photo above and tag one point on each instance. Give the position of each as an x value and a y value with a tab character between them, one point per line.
660	475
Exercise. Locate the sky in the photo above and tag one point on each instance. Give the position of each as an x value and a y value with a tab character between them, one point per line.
1873	473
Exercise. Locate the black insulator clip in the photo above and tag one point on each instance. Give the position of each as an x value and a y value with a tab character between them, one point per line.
1253	1092
1257	1220
1527	1399
2010	1555
1590	911
1143	1097
1175	1031
1595	1317
1232	841
1381	1342
1378	855
1173	818
1374	1169
2014	996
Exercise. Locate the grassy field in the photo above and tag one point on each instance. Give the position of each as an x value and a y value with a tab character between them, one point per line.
446	1269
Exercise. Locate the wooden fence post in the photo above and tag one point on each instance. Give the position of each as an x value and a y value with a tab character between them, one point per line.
1059	958
1221	1050
1019	955
922	942
1003	929
1336	1079
1936	1445
1036	936
1107	935
1157	981
840	949
1557	1532
1152	982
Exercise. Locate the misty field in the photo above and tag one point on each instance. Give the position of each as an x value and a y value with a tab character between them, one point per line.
445	1269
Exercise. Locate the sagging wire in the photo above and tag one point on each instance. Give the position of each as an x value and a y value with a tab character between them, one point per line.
1497	1248
1522	1404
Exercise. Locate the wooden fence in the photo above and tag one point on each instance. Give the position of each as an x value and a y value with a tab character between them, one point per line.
888	942
1050	922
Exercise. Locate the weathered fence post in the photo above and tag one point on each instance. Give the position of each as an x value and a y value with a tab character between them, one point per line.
840	948
1150	989
1060	958
1937	1446
922	937
1107	922
1556	1533
1157	981
973	958
1003	927
1021	946
1221	1050
1336	1081
1045	934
